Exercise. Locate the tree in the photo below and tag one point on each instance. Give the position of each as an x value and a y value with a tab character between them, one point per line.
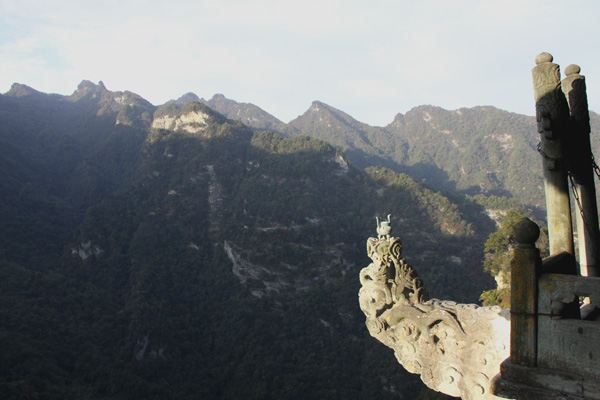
497	260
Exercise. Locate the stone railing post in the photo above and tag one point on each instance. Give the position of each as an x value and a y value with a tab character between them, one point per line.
579	161
552	113
525	266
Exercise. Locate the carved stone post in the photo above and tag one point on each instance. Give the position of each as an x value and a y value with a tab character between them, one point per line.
552	113
579	160
524	266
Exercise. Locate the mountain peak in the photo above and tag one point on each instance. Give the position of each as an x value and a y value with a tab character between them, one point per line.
317	106
89	85
398	120
247	113
20	90
222	104
186	98
89	89
219	97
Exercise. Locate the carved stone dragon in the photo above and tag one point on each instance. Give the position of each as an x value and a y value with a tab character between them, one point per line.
456	348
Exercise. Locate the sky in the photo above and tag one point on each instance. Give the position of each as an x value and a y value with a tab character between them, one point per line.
371	59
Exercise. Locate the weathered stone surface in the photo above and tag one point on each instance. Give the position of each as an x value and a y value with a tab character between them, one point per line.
522	382
524	267
456	348
580	161
568	343
552	113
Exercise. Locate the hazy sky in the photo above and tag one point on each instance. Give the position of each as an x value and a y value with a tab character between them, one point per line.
371	59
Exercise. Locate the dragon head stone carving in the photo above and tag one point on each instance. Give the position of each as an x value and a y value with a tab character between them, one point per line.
456	348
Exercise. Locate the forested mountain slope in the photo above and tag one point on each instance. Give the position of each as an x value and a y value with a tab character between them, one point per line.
170	252
249	114
479	150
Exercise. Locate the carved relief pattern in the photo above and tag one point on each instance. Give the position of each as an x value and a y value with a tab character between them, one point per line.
456	348
551	104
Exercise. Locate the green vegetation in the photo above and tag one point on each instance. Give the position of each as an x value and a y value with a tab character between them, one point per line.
500	242
219	263
476	151
168	109
115	277
498	256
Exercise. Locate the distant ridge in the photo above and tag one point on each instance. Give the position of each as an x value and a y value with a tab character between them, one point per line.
478	150
19	90
186	98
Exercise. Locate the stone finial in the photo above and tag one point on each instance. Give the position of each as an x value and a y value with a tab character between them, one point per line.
384	228
543	58
572	69
546	84
527	233
574	88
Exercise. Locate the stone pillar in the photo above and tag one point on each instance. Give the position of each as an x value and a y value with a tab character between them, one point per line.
525	266
552	113
579	161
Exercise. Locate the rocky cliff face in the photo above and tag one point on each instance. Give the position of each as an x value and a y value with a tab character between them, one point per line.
191	122
129	108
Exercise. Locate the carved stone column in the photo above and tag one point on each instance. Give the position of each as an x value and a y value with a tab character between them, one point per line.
552	113
579	160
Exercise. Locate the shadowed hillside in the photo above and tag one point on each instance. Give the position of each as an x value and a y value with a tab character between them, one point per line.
171	252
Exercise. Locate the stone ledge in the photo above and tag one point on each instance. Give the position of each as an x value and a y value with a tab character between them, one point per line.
535	383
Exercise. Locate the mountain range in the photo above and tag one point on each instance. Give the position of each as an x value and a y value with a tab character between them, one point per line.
204	249
479	150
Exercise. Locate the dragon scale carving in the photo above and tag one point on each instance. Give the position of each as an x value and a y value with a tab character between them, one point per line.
456	348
